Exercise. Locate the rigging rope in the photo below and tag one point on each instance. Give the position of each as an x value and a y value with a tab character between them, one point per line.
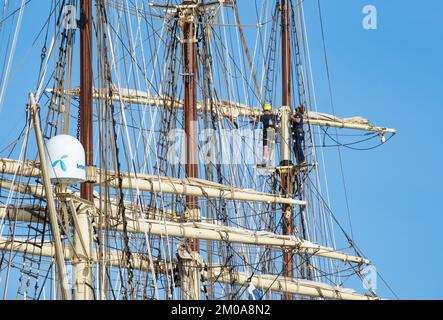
12	53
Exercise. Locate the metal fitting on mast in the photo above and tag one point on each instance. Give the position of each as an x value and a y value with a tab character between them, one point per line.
285	152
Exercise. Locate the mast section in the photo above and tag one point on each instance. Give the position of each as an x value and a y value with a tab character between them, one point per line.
189	251
190	103
286	54
83	272
86	133
287	185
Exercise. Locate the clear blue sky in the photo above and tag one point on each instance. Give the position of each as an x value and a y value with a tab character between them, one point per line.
393	76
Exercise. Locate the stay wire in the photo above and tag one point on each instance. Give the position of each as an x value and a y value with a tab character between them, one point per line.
333	112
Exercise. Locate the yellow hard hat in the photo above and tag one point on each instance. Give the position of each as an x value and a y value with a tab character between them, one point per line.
267	107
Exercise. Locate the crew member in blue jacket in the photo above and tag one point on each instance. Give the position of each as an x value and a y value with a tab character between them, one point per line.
269	121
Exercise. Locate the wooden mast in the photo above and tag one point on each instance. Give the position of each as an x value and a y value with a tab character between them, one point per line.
190	104
189	251
86	91
286	179
83	272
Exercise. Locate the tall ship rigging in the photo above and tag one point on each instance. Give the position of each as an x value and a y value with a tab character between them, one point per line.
146	168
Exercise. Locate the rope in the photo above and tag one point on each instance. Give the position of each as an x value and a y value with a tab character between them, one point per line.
12	53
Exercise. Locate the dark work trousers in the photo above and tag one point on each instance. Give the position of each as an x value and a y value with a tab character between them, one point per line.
299	140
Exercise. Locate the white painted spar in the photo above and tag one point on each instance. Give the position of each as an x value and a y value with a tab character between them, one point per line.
152	183
275	283
229	109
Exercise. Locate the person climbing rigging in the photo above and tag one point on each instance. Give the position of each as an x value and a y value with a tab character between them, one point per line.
269	121
298	134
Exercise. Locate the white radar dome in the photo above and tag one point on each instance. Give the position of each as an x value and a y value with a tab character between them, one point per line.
65	159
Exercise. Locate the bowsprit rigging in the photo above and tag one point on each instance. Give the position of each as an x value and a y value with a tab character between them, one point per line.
168	100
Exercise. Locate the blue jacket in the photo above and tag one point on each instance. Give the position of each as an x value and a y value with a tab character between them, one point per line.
269	120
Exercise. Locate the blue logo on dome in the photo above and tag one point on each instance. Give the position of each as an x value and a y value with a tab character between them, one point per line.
61	162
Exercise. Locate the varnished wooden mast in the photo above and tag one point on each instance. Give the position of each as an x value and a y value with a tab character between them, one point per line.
86	90
189	273
286	179
83	272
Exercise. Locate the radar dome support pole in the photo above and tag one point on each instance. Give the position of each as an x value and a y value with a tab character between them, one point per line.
59	251
83	271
